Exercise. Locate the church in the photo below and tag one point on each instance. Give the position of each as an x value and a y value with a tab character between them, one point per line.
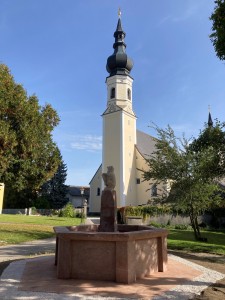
124	147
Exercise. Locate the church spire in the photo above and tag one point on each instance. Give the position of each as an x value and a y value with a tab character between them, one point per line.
210	122
119	63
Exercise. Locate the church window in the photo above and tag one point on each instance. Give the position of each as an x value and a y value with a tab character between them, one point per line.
129	94
138	180
113	93
154	191
98	191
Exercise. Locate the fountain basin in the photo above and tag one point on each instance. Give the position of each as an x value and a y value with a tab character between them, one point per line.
132	252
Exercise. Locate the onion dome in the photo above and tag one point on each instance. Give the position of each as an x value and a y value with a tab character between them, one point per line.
119	63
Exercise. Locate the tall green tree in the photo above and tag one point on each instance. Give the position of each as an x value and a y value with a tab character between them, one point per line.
28	154
218	29
191	174
55	190
212	137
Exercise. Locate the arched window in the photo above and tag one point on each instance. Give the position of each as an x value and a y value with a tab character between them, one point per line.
129	94
154	190
113	92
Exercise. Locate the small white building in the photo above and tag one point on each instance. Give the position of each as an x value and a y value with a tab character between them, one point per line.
77	195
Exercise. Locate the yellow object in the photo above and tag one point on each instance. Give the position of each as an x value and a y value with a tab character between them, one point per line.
2	186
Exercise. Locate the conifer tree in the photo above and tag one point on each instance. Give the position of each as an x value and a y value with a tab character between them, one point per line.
55	190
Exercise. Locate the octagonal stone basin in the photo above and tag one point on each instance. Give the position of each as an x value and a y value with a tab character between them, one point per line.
132	252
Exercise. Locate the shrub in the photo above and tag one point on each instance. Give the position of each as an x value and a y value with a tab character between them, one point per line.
134	211
33	210
141	211
181	226
67	211
157	225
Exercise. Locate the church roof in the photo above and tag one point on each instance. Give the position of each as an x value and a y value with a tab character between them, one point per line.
210	121
145	144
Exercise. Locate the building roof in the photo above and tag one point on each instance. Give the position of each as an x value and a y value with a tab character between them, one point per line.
210	121
95	173
145	144
76	190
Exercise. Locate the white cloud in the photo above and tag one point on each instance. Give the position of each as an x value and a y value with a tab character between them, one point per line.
164	20
87	142
186	14
191	11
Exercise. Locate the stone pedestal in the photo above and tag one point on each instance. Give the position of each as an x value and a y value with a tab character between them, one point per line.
108	216
133	252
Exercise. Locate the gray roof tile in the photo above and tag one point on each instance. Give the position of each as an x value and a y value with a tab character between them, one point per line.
145	144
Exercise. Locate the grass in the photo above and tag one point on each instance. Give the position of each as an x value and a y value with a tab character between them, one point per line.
41	220
184	240
15	229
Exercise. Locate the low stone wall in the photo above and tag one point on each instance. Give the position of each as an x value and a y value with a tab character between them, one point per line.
178	219
15	211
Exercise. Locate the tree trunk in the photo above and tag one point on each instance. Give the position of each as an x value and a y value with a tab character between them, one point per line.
194	224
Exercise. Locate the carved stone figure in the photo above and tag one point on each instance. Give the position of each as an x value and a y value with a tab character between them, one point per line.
109	178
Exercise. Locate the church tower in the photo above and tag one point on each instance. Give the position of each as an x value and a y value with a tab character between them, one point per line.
119	121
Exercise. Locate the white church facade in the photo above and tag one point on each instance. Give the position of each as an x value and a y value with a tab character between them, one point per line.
124	147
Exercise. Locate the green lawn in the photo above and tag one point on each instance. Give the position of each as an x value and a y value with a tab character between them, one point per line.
41	220
184	240
16	229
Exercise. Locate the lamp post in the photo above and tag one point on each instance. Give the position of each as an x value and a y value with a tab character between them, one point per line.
82	200
82	194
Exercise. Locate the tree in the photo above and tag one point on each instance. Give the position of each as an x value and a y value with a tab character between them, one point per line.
55	190
28	155
212	137
193	186
218	29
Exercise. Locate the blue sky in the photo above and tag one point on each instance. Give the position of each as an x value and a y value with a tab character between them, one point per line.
58	50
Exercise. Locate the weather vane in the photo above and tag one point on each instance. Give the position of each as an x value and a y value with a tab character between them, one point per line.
119	12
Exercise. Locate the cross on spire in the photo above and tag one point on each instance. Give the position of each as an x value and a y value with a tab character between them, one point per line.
119	12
